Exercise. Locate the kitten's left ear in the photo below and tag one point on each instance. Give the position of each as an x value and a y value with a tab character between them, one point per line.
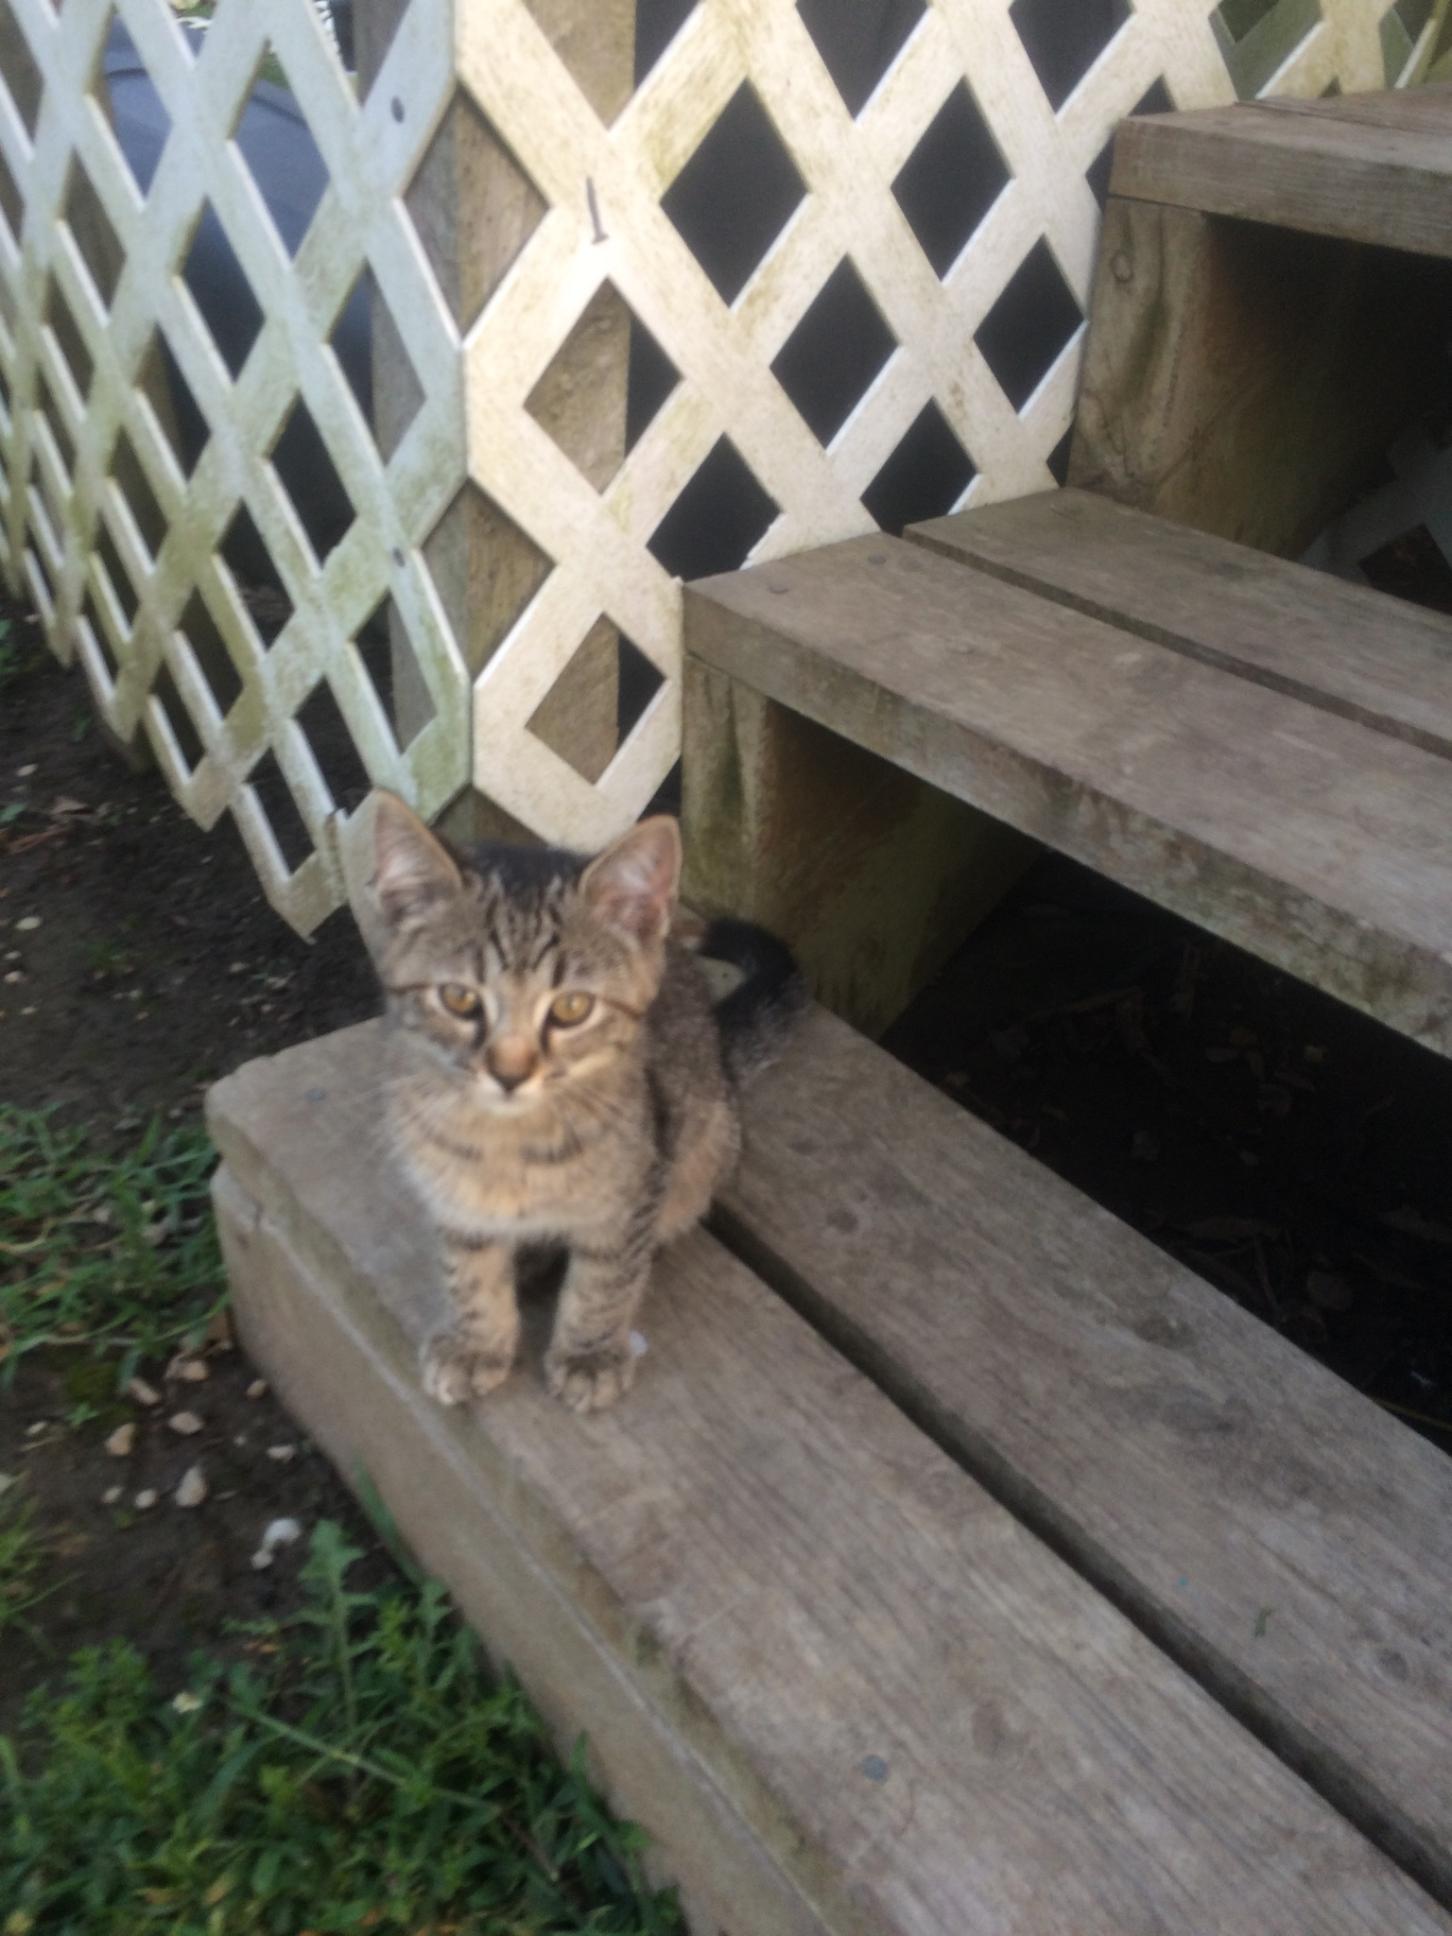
633	884
413	871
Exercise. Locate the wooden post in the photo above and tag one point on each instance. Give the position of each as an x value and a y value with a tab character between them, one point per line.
1245	379
474	210
872	876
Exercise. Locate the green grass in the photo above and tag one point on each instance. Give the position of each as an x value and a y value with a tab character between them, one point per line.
113	1255
359	1771
22	1566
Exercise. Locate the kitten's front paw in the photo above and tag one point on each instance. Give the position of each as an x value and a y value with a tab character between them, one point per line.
456	1368
589	1381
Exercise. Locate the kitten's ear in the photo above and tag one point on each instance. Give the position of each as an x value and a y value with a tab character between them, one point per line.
633	885
412	870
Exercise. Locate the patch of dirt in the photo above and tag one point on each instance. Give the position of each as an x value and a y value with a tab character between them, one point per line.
156	967
1290	1150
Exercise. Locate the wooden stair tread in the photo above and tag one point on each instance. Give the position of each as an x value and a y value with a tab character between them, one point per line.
1266	1522
1371	168
852	1662
1337	645
1314	840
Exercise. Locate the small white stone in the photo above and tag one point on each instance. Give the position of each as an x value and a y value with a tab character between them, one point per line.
40	1425
7	1480
13	977
261	1560
24	772
112	1495
186	1702
147	1499
258	1388
27	924
193	1488
122	1440
187	1424
143	1393
282	1454
638	1345
193	1371
281	1532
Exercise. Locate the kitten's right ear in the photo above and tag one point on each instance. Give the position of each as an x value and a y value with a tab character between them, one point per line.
413	872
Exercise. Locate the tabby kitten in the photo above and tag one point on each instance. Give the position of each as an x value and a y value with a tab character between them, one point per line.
559	1075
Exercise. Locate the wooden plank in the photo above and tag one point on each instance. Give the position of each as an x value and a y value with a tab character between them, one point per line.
1194	787
926	1721
1417	110
1275	1530
1336	645
875	879
1246	380
1359	181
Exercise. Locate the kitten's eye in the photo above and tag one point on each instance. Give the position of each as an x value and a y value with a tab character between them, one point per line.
459	1000
571	1008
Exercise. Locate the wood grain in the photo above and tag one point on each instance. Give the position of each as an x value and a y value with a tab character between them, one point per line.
1276	1530
1191	785
1246	380
928	1722
1339	646
1386	181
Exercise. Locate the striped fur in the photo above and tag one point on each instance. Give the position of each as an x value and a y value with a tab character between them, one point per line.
523	1121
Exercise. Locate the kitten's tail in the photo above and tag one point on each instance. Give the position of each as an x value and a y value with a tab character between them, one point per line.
759	1014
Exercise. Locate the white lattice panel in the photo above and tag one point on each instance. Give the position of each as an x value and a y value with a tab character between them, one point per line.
846	342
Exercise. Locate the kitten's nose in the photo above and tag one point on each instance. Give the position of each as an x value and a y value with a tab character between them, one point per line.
510	1063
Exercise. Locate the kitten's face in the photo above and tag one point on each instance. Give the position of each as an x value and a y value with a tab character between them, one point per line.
526	979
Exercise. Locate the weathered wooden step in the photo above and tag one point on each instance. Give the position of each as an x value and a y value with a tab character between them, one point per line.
1371	168
1339	646
843	1686
1281	1534
1318	841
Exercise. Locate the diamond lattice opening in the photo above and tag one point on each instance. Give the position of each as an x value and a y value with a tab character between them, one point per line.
1256	37
717	519
366	339
371	30
951	179
597	45
209	651
1401	26
735	195
657	22
306	470
1058	458
1155	100
21	75
223	296
135	487
91	625
68	339
256	578
468	270
91	230
46	404
859	44
137	114
280	154
602	387
272	793
597	701
1023	334
326	732
12	203
486	571
924	477
174	407
108	558
1062	42
166	696
835	353
387	659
